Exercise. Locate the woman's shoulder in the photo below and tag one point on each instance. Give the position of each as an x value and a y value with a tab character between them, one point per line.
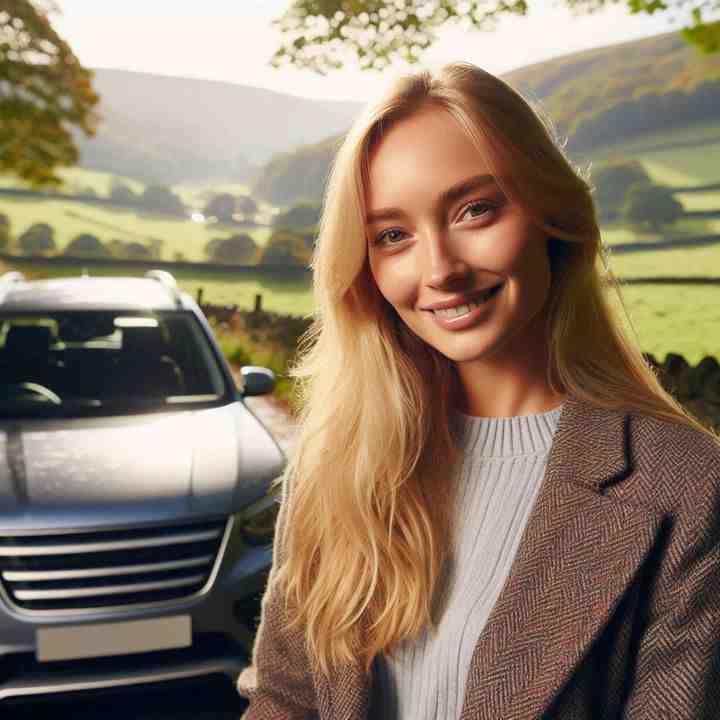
674	467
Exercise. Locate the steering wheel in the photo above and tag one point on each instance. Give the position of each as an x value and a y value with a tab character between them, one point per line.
35	389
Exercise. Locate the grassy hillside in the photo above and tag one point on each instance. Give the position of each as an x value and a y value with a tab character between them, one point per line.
170	130
293	176
640	93
70	219
583	87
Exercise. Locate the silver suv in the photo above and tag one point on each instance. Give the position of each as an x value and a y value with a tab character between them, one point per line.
135	521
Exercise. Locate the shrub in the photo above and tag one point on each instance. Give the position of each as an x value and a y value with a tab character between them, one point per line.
38	239
86	245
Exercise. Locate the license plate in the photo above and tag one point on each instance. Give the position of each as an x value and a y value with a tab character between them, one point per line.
134	636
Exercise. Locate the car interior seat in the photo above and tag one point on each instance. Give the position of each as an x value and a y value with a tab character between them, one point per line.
144	366
26	356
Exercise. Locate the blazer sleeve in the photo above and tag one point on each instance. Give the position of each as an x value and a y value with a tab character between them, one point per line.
278	684
678	664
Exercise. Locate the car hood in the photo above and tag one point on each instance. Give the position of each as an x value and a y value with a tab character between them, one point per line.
90	472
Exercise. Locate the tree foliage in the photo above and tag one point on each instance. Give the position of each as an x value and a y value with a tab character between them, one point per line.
612	180
320	34
301	215
122	194
158	198
38	239
237	250
44	93
225	207
285	247
86	245
132	250
221	206
4	231
246	205
652	204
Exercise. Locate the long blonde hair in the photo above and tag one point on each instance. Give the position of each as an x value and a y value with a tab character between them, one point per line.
369	491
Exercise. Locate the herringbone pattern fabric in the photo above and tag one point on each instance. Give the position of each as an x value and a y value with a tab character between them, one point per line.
612	606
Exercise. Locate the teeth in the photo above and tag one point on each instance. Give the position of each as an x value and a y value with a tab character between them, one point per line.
462	309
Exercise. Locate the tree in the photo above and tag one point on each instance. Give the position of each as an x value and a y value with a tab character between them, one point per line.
46	93
225	207
222	207
285	248
301	215
237	250
137	251
652	204
318	33
86	245
612	180
122	194
158	198
246	205
38	239
4	232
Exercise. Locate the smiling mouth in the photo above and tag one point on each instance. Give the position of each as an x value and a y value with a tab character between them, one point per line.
466	308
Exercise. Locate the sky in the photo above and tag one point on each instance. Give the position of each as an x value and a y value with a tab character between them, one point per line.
233	40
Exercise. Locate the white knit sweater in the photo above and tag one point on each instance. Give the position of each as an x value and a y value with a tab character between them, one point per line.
503	466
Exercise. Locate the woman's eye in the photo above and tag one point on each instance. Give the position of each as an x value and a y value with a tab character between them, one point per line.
478	209
387	236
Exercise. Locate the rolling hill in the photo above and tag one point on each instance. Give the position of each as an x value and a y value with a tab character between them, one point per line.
596	98
171	130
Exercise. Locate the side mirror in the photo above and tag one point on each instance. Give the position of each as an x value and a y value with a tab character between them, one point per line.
257	380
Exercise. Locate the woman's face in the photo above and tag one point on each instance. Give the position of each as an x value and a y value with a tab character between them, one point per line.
440	230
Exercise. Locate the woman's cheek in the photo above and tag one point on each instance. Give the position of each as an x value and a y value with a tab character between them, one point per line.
396	279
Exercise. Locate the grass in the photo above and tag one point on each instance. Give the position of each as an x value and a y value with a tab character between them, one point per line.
239	347
692	262
69	219
679	319
682	319
702	133
196	195
76	179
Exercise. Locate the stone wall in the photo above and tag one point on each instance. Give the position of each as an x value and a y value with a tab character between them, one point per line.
696	387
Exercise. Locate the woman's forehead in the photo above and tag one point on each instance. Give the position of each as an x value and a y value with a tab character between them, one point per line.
429	150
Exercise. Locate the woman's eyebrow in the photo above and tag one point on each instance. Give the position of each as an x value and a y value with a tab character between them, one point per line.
448	196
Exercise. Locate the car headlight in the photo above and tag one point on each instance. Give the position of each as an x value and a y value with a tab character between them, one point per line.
255	523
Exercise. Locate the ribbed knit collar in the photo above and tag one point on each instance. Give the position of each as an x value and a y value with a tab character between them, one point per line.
507	436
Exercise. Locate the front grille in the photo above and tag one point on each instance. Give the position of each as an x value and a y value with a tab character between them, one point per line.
109	568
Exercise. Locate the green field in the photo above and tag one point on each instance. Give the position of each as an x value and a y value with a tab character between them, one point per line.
197	195
69	219
703	134
77	179
682	319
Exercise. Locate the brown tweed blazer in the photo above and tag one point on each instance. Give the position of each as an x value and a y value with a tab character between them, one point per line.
612	605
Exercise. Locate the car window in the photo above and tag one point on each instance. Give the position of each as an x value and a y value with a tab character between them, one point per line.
100	362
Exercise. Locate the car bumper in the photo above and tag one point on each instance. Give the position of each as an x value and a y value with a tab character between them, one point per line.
29	678
222	622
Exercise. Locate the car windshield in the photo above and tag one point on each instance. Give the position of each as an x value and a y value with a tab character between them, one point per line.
76	363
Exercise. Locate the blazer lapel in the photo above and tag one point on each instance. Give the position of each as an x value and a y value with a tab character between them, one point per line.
579	552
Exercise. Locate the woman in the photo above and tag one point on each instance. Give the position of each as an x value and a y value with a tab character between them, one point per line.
494	510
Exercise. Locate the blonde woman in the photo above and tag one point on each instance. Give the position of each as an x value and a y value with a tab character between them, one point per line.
494	510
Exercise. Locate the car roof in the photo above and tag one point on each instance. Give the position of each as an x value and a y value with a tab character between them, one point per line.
92	293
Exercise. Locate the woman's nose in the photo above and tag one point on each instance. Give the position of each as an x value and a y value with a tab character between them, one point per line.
443	266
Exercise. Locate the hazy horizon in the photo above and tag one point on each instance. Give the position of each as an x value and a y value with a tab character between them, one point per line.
229	44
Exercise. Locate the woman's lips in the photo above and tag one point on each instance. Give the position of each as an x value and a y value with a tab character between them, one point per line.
474	314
